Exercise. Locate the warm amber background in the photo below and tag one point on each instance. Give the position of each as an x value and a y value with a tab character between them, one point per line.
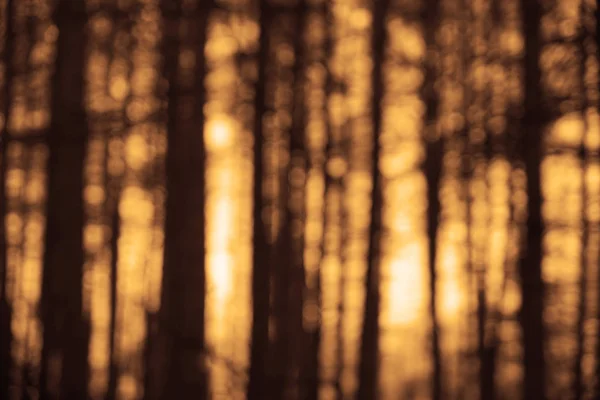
133	218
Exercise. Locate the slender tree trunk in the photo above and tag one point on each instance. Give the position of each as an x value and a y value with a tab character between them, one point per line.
311	381
341	309
578	379
578	384
183	296
5	308
111	393
313	367
288	271
486	313
470	357
261	272
116	125
487	353
533	121
497	146
311	374
487	349
369	351
433	170
66	331
295	213
597	388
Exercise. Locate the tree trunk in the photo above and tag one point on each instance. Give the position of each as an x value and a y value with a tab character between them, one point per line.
578	379
261	271
582	286
295	212
288	268
113	372
533	121
369	351
5	308
183	291
433	170
312	373
66	331
597	389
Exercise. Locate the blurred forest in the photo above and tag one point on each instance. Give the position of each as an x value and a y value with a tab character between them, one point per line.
299	199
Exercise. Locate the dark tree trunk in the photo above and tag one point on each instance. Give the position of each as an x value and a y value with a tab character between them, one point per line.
261	271
113	372
184	281
533	122
288	269
66	330
115	127
369	349
433	170
487	349
597	388
487	353
496	145
295	212
5	308
340	149
340	182
312	373
577	367
578	379
485	314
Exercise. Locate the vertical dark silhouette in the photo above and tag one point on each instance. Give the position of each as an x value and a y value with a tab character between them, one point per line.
369	349
506	145
261	269
288	269
487	316
496	145
534	118
578	381
341	148
468	153
66	330
433	169
487	351
582	285
184	280
5	308
115	127
597	388
111	393
295	209
312	375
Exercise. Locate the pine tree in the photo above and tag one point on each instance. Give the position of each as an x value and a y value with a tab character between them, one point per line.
5	309
533	122
184	280
261	269
66	330
432	167
369	351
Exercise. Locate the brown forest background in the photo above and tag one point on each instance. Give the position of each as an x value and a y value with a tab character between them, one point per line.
299	199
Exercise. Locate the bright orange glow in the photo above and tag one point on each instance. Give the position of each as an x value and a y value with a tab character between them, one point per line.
219	133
